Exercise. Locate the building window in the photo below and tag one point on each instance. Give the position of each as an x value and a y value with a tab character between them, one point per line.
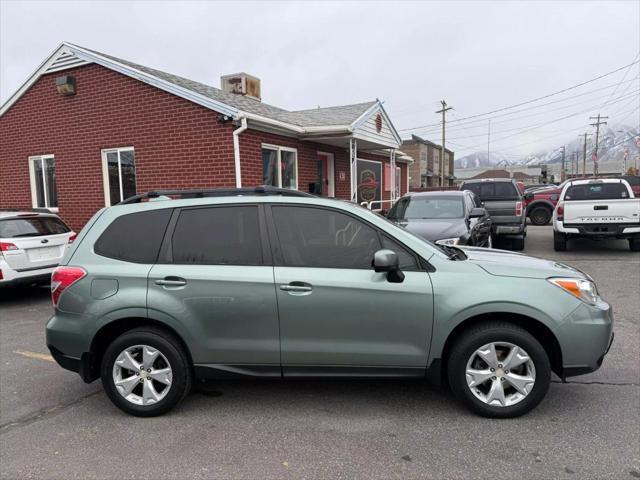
42	172
119	174
280	166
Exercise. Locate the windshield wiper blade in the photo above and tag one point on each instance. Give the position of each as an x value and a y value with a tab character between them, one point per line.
454	253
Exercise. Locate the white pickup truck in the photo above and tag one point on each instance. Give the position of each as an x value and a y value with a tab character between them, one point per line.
597	209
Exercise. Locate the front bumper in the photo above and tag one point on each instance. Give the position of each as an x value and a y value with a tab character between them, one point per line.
586	336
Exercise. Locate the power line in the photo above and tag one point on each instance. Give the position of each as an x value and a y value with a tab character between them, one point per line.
538	98
480	122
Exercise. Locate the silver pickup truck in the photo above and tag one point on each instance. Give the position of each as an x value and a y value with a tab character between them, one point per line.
502	198
597	209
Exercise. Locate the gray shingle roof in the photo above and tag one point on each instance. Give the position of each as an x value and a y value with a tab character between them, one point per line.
340	115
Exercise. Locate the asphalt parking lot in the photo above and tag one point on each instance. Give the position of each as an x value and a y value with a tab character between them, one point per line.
52	425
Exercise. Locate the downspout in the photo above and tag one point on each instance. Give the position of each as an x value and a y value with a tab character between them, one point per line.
236	149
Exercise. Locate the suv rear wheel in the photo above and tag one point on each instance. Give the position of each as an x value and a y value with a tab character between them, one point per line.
146	372
634	244
517	243
499	370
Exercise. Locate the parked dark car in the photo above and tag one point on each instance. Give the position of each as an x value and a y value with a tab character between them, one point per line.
503	200
446	218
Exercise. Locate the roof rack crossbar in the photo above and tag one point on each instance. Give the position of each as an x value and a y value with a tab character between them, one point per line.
215	192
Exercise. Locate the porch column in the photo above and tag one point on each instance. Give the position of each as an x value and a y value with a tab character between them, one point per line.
392	162
353	168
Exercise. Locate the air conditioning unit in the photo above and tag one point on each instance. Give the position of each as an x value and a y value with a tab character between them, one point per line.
241	84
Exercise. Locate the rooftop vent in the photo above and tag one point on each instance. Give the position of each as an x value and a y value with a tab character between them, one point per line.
241	84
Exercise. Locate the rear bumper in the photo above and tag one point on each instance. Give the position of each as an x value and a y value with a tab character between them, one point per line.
14	277
599	230
512	229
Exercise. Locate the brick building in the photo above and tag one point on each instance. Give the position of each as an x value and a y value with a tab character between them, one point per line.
425	170
87	130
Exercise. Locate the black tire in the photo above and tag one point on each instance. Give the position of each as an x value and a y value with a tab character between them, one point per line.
540	215
559	241
634	244
517	243
178	360
483	334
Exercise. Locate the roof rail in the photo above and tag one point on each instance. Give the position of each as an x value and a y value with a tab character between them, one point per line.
216	192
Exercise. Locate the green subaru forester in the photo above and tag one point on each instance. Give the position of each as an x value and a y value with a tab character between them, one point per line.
169	287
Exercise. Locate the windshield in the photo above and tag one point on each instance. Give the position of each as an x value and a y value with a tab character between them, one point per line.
597	191
493	190
428	208
31	227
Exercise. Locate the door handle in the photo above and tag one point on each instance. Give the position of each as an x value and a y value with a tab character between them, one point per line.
171	282
297	287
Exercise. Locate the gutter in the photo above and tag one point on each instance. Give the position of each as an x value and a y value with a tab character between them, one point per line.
236	149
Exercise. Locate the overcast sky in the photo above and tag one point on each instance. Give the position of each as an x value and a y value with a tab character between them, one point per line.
478	56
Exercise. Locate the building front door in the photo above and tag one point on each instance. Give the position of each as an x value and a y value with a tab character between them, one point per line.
324	184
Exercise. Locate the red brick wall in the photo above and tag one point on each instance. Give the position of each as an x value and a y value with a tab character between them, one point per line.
178	144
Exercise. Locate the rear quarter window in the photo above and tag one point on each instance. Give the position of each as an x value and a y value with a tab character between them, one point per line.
597	191
135	237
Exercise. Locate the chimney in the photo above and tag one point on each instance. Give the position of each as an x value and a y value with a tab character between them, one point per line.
241	84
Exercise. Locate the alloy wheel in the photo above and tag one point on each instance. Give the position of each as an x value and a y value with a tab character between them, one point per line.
500	374
142	375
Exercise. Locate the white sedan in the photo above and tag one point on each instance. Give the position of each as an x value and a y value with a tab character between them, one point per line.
32	244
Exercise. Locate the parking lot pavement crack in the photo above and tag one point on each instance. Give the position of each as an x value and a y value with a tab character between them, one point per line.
595	382
42	414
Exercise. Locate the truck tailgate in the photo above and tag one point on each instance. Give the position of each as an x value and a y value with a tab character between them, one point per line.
602	211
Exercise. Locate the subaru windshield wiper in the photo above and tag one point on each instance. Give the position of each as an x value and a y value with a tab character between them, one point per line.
453	253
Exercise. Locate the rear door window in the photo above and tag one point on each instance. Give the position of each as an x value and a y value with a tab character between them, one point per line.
217	236
597	191
31	227
135	237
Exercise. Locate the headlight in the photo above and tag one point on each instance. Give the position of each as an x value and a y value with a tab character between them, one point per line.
582	289
448	241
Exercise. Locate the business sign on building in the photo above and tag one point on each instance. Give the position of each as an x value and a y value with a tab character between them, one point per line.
369	176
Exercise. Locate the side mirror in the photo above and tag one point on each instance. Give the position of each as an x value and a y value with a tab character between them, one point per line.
387	261
528	196
478	212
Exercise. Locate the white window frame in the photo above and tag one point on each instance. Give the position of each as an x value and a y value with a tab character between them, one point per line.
105	171
279	149
32	181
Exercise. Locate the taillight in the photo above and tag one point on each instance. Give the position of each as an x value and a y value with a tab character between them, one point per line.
518	209
73	236
62	278
7	247
560	211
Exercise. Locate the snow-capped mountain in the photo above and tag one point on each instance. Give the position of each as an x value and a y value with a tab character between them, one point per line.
613	144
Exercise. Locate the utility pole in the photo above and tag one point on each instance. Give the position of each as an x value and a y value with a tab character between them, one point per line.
595	154
584	154
489	143
576	155
443	111
562	171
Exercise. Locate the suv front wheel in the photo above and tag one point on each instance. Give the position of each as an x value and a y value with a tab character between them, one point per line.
145	372
499	370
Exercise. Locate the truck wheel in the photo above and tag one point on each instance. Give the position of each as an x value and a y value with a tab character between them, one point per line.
499	370
634	244
540	215
517	243
146	372
559	241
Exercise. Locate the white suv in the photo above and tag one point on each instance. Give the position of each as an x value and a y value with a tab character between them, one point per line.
32	244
